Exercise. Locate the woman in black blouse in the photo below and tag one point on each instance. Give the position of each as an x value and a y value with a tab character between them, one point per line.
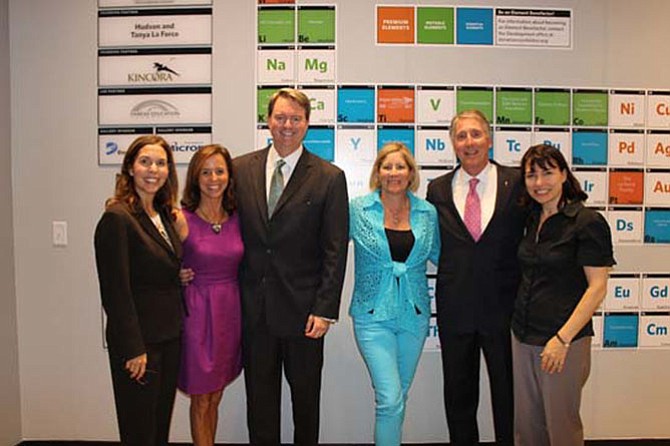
565	257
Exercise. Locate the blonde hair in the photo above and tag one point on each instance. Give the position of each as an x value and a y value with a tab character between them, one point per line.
389	148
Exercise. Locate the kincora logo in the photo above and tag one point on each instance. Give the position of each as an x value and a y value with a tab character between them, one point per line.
154	109
161	74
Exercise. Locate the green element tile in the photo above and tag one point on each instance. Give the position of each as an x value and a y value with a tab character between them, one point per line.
276	25
589	108
316	25
552	108
262	98
435	25
514	107
482	100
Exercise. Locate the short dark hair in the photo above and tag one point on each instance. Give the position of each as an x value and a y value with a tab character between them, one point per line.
545	156
191	196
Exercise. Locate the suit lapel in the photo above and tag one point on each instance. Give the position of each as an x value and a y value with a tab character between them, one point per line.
150	228
257	173
504	192
451	205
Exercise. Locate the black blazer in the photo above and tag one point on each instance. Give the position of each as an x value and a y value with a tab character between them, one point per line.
477	281
139	279
294	262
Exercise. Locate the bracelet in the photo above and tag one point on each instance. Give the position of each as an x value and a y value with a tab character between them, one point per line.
560	339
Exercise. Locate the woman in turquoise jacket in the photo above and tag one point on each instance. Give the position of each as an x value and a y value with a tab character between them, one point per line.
395	234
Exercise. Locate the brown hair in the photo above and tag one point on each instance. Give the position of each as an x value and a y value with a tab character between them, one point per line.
124	191
291	94
191	196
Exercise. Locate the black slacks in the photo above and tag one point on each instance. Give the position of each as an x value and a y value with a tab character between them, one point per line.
144	408
460	367
302	360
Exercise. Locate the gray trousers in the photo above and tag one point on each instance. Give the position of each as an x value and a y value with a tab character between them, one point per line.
547	406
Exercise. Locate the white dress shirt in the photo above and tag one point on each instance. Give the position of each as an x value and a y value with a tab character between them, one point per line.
487	189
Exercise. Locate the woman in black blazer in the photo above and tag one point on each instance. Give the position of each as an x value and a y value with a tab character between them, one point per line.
138	257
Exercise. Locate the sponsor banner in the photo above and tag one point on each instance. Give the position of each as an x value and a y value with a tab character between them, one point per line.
154	27
185	141
113	143
143	66
131	3
126	106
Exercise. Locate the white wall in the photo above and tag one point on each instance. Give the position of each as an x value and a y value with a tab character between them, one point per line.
65	384
10	409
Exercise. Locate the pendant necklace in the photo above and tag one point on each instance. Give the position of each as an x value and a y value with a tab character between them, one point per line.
215	225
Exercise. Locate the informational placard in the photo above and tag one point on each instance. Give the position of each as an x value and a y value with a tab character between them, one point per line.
544	28
395	104
185	141
324	104
154	27
657	188
435	105
113	142
656	292
433	146
474	26
356	104
175	105
626	225
435	25
475	98
276	26
654	331
626	187
623	292
152	3
552	106
321	142
356	145
621	330
316	24
396	133
395	24
514	106
657	225
589	108
626	148
154	66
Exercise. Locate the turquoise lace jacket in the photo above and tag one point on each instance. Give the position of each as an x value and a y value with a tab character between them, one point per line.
384	289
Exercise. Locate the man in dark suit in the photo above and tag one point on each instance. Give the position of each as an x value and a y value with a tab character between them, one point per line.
481	225
294	215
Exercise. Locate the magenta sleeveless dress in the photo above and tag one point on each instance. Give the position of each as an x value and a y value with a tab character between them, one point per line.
211	342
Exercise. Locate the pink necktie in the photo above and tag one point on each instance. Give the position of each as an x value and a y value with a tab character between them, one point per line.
473	211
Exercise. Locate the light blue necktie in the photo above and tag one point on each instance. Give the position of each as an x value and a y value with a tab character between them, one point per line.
276	186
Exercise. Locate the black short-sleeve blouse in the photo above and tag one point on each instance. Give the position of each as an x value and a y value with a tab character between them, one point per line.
552	270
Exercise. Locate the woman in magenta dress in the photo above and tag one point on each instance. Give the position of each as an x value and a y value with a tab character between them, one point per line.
209	228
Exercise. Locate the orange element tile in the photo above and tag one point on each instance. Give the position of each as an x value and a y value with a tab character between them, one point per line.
626	187
395	24
395	105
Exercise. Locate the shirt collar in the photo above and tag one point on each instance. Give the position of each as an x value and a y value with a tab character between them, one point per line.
463	178
291	160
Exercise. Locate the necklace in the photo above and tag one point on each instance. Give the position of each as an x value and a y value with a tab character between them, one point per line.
215	224
398	215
